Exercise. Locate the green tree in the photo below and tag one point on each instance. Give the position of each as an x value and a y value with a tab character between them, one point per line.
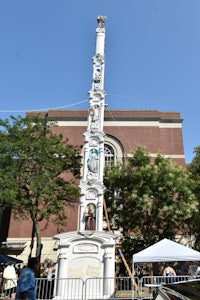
194	168
148	199
38	171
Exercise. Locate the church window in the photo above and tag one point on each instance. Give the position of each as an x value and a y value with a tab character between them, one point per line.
109	155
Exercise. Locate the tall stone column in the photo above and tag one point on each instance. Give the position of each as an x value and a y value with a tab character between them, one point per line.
91	208
89	253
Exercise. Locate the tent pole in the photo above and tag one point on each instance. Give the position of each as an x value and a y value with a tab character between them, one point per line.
133	290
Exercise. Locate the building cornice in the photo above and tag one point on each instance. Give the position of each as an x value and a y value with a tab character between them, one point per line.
138	123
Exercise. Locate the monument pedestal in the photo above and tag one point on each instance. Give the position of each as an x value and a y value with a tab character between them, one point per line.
89	256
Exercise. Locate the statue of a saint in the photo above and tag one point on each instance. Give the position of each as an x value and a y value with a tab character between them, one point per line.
101	21
90	217
94	112
93	161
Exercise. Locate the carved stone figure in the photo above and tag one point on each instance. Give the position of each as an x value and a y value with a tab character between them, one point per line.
94	112
93	161
101	21
90	217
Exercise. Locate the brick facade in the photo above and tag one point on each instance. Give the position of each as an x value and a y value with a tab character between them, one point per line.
156	131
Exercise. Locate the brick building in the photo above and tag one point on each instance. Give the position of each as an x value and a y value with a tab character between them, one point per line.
125	130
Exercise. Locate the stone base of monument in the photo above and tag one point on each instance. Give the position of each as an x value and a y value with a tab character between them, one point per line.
87	259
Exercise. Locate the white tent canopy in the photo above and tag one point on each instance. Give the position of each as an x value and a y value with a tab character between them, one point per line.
166	251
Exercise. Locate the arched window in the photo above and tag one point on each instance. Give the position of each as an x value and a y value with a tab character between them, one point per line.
113	151
109	155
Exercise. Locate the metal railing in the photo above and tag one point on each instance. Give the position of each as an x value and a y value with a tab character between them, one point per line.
97	288
67	288
149	284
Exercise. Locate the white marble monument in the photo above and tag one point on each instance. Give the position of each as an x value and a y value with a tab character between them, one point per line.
90	252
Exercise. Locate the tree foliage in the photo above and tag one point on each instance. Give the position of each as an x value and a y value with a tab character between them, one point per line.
194	168
149	199
37	172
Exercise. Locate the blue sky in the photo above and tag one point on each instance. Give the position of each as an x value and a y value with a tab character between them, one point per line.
152	57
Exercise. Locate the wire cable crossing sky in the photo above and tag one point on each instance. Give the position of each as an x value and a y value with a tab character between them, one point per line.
152	57
86	100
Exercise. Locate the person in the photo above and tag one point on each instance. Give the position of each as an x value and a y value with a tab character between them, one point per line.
18	270
48	283
42	271
1	276
26	285
185	268
9	281
169	272
48	272
194	270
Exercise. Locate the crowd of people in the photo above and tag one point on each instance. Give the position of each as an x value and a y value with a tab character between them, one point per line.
186	269
17	282
178	269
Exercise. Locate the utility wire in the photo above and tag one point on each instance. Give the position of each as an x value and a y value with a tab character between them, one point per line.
120	129
43	109
108	94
